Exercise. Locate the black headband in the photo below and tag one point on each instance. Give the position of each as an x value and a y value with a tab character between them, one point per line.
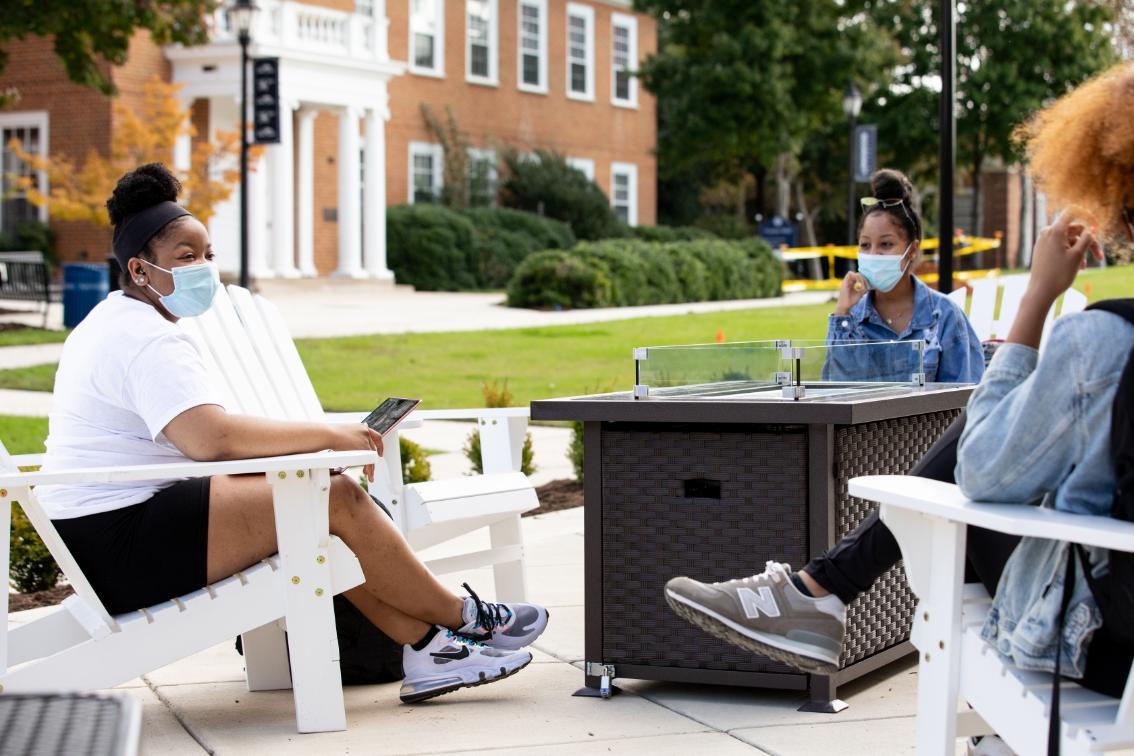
135	231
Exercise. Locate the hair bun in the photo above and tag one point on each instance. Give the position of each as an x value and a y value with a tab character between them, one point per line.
145	186
889	184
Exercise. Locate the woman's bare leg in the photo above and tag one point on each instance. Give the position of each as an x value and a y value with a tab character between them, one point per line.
400	595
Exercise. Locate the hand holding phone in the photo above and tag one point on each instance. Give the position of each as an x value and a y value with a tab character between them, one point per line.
389	414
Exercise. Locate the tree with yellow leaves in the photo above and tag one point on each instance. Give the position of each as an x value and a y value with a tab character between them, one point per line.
144	136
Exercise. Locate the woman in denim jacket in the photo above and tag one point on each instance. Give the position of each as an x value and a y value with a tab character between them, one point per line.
885	301
1036	428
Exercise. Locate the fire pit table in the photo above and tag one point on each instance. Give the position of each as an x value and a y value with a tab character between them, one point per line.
724	456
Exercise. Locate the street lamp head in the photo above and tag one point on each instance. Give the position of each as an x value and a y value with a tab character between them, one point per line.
240	14
852	101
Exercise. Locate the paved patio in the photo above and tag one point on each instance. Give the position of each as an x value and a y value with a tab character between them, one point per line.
201	704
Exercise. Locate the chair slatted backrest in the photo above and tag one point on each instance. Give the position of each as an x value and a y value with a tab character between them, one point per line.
982	309
233	330
277	332
269	356
193	329
59	551
229	369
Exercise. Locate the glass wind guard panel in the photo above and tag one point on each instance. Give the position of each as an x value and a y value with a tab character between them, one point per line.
760	369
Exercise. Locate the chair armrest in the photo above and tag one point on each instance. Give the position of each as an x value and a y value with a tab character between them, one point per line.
323	460
945	500
472	413
357	417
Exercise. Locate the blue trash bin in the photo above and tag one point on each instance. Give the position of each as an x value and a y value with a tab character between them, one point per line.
84	286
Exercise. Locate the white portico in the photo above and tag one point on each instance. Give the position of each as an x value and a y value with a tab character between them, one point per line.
330	62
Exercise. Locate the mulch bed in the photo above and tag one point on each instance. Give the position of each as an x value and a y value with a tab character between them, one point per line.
557	495
17	602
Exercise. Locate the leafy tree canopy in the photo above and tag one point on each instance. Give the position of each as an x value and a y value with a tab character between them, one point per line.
92	33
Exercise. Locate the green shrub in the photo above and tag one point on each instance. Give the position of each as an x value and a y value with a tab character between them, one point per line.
724	226
32	567
623	272
472	452
435	248
575	450
415	463
670	233
496	396
559	279
547	233
431	248
546	184
31	236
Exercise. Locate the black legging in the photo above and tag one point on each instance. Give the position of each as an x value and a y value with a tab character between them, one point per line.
852	566
860	558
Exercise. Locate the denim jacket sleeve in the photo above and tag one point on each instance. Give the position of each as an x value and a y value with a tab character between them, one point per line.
1022	438
962	358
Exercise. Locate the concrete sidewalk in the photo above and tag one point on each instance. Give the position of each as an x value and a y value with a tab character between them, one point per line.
201	705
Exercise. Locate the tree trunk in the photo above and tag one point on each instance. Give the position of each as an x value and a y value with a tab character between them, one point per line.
784	176
815	266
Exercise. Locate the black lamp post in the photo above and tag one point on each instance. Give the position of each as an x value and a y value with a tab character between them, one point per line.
947	148
852	105
240	15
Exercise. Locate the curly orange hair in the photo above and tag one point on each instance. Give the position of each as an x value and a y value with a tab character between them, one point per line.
1081	147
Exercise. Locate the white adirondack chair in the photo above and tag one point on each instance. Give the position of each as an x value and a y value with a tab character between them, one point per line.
247	345
990	322
80	646
929	518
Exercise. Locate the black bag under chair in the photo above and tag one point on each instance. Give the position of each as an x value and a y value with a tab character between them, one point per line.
367	655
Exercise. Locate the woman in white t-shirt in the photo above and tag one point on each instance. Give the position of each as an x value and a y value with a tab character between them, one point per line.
132	389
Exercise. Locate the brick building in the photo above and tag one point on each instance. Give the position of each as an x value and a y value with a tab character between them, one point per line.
354	74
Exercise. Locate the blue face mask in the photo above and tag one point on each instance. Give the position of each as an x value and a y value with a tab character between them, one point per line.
194	287
882	272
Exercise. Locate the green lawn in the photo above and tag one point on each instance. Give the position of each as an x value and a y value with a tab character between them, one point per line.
23	435
448	369
26	336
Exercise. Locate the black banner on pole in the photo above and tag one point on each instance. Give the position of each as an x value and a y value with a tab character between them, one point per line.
865	152
266	100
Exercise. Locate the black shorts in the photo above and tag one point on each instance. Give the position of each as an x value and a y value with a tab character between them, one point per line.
146	553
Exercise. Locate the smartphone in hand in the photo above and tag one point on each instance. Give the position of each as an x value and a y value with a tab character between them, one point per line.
389	414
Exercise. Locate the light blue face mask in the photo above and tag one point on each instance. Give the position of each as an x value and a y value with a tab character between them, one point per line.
882	272
194	287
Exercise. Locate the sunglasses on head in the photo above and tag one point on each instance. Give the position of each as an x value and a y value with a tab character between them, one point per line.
868	203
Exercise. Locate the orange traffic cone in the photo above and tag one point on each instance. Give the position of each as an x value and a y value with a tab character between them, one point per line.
720	335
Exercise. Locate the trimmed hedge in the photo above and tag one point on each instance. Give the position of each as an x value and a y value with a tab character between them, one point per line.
434	248
545	183
619	272
670	233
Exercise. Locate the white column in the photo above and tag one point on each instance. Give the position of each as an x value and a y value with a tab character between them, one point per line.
374	198
306	185
350	191
282	186
258	209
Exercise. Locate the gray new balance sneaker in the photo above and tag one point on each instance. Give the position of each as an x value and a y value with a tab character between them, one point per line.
766	614
448	662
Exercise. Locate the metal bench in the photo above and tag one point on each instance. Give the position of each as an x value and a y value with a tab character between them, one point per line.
23	276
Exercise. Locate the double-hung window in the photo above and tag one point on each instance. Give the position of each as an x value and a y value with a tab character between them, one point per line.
624	60
531	55
624	192
482	24
580	52
427	37
585	165
482	177
30	130
425	164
